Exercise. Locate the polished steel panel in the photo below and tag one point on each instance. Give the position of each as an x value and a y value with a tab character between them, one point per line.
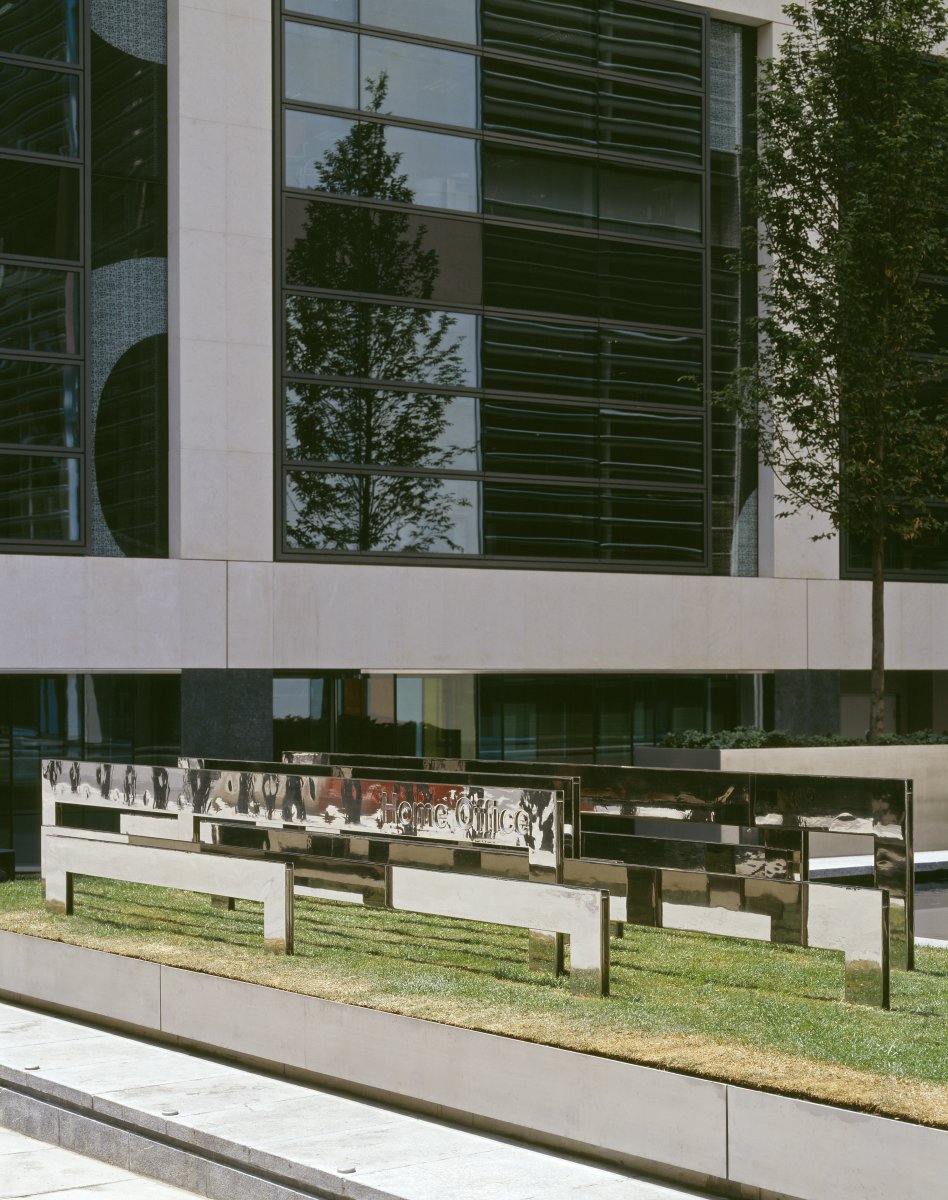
761	828
832	804
783	902
580	913
112	857
434	808
526	813
343	825
694	855
722	921
854	920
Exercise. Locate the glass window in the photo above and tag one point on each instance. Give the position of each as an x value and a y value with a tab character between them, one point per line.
650	203
538	103
537	186
441	170
39	216
129	219
658	368
402	514
355	249
39	309
532	439
576	191
550	272
381	427
39	111
651	286
727	108
321	65
40	29
650	41
561	29
380	162
647	447
725	295
39	498
613	700
339	338
453	20
336	10
39	404
439	712
644	120
129	114
131	450
309	138
926	554
662	527
409	80
534	521
725	200
533	356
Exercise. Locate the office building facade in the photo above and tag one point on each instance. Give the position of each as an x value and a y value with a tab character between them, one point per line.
355	363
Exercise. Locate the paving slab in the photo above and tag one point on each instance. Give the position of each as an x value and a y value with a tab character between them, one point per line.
39	1171
177	1109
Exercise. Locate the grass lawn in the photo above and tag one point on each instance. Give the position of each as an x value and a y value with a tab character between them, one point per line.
745	1012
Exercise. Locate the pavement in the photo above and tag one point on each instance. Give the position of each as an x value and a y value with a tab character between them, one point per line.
228	1132
39	1171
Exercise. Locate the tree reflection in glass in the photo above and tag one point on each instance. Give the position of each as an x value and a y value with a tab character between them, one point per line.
382	252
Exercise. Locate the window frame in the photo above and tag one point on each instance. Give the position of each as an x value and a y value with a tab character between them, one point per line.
81	360
282	376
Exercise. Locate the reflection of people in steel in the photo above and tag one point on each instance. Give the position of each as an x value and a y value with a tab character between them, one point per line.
352	800
245	793
200	784
159	781
293	798
103	777
74	777
270	785
129	785
542	819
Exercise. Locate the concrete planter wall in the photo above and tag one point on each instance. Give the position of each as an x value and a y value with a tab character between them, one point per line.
926	766
696	1130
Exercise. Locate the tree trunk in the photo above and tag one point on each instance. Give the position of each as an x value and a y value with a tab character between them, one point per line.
877	684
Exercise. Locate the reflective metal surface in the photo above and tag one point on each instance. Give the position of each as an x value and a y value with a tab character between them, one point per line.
432	806
346	827
581	913
237	839
854	920
66	853
754	826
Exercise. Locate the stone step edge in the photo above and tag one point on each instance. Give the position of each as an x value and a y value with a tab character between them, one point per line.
121	1139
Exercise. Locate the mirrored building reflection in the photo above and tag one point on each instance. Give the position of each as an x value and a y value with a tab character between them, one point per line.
568	223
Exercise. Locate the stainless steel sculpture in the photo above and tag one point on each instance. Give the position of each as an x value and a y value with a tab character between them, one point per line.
67	853
340	830
525	814
749	825
346	827
854	920
435	806
581	913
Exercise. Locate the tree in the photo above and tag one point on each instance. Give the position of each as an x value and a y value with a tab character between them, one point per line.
848	394
379	251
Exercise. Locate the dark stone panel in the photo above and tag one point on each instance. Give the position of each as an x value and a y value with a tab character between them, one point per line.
227	714
806	701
